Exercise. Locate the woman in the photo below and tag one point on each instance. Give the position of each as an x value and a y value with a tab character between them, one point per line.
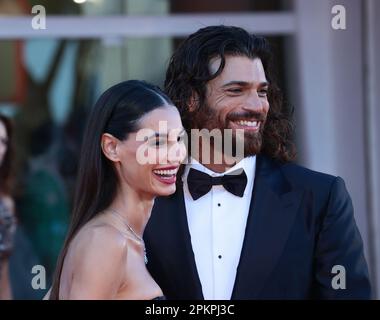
7	212
124	165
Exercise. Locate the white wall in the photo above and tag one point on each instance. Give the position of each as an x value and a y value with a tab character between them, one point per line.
332	96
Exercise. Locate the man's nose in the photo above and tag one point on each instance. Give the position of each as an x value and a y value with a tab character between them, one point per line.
253	102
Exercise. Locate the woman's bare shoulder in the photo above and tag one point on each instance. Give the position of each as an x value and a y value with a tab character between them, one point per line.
98	258
100	239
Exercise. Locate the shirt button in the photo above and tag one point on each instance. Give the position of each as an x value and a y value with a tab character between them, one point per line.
219	256
219	204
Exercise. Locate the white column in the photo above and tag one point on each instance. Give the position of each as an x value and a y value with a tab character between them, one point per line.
147	58
332	99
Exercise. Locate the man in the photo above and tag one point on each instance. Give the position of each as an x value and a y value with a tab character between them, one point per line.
268	229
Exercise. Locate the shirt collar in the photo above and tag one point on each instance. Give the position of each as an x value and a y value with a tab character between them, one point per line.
248	164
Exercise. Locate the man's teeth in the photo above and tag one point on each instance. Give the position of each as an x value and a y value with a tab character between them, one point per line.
247	123
166	172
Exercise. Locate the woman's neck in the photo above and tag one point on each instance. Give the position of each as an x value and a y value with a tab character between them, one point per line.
134	207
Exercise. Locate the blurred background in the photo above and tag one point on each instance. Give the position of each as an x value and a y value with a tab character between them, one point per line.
50	78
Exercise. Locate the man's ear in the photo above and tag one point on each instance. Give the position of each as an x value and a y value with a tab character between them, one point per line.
194	102
109	147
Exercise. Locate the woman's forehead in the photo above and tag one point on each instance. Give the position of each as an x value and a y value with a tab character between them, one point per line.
166	117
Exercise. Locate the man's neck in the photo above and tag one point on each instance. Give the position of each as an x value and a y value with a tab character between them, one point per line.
218	168
217	162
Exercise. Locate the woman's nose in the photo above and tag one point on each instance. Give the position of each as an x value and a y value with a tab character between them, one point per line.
177	153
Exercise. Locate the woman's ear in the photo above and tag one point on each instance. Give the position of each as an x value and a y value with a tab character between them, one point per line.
109	147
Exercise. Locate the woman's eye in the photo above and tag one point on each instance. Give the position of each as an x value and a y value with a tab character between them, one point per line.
179	138
159	143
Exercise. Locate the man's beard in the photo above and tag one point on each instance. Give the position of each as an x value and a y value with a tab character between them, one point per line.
252	143
208	119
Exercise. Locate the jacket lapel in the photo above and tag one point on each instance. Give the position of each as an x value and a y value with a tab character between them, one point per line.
273	208
189	282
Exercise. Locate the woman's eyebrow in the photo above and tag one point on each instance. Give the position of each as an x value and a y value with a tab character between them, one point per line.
154	135
160	134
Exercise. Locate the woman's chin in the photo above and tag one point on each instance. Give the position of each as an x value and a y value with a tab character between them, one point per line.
165	190
164	185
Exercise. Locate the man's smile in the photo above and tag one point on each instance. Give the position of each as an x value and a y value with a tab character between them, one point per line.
251	125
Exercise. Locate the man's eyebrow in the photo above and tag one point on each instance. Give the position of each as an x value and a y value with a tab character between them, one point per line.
244	84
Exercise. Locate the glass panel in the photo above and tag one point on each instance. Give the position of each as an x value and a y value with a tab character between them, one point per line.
201	6
141	7
86	7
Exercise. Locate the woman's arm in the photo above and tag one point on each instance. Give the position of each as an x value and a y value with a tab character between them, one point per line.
47	295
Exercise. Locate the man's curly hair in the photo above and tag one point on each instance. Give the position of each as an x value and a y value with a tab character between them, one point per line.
188	74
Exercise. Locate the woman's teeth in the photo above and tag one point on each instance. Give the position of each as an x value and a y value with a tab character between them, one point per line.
166	173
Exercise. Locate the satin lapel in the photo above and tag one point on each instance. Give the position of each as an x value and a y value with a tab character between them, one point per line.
273	208
185	265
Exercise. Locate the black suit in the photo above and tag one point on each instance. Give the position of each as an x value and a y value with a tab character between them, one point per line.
300	225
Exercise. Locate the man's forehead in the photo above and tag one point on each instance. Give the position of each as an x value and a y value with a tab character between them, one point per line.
239	68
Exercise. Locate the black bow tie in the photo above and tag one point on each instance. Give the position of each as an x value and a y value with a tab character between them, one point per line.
200	183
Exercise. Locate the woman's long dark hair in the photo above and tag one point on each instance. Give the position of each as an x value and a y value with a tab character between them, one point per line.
117	112
6	177
188	74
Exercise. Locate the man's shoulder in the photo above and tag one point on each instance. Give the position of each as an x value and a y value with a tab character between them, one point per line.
294	169
301	176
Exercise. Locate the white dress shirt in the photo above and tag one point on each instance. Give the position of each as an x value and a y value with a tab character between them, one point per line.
217	224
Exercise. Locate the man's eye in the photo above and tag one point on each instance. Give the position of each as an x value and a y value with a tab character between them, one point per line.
235	90
263	92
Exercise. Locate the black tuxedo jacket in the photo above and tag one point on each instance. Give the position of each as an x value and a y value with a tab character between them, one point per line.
300	225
